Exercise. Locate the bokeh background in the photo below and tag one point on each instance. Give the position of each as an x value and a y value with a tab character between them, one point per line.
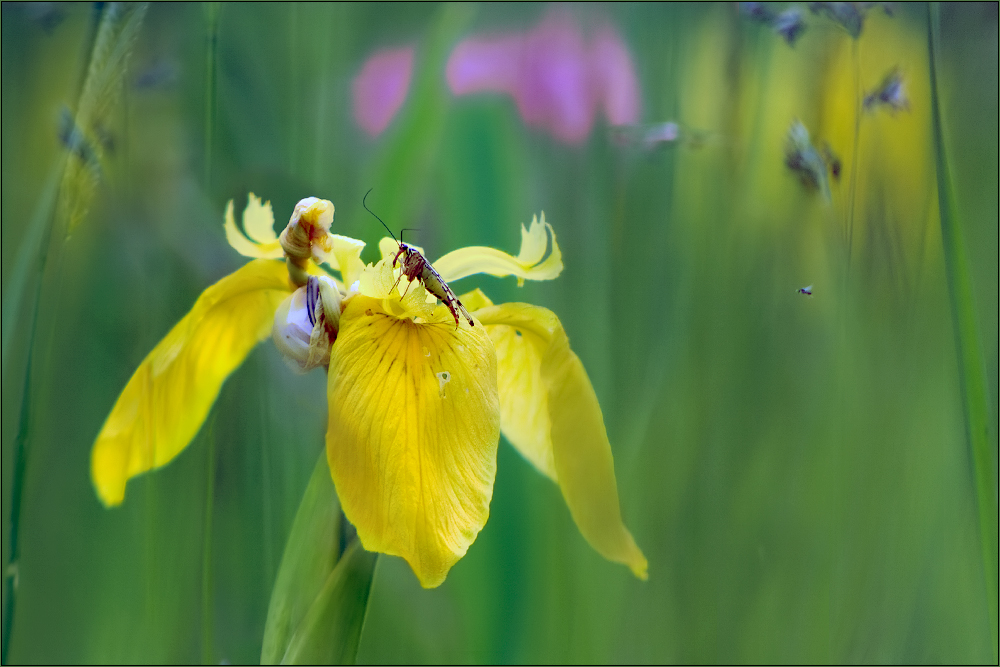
795	468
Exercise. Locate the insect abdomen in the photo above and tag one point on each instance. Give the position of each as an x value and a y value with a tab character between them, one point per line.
436	285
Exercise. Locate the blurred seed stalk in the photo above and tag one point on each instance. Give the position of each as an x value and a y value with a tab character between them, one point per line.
61	208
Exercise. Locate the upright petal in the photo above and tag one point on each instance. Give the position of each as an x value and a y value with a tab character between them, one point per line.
255	219
550	413
258	220
527	265
389	247
169	395
414	425
346	256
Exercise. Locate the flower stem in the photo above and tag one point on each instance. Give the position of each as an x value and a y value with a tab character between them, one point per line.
10	573
211	65
856	59
206	551
970	358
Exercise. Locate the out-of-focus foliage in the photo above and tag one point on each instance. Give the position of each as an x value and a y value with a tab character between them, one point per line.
794	467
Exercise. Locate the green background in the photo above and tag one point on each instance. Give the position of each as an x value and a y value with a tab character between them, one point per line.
795	469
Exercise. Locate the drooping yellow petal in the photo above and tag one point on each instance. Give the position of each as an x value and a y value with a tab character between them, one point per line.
169	395
524	403
255	218
550	413
527	265
414	425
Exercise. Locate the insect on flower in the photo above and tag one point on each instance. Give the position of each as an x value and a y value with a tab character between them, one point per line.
416	483
416	267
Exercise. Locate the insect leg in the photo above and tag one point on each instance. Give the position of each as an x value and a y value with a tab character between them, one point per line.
454	314
408	285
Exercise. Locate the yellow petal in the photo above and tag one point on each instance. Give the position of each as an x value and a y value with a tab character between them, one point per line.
389	247
346	257
414	425
524	404
399	296
534	240
258	220
243	245
550	413
170	394
475	300
527	265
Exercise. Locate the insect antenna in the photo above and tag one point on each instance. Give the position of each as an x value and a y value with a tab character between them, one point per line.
378	218
407	229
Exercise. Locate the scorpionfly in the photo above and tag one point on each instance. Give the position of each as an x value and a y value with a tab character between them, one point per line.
416	267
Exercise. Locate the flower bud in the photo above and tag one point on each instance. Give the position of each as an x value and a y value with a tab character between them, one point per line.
307	236
314	214
306	323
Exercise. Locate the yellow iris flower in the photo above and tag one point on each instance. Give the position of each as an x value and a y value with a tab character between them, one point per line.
416	403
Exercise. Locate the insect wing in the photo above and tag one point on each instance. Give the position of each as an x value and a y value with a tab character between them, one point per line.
435	284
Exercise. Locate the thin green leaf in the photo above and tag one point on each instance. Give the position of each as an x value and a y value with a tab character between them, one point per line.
970	357
30	256
331	631
311	554
211	66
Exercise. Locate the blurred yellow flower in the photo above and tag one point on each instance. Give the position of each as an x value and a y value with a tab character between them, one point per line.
416	403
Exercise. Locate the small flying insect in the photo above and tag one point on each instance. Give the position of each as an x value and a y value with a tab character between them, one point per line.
807	290
416	267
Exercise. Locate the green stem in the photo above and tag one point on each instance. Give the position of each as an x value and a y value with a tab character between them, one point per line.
856	57
211	57
206	552
970	358
17	488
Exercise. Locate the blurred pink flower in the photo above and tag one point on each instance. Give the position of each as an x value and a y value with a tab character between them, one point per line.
616	85
557	77
380	88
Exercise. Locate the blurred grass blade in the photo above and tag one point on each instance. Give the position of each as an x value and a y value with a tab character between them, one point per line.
311	554
331	631
79	171
972	376
206	549
35	239
86	134
211	65
407	164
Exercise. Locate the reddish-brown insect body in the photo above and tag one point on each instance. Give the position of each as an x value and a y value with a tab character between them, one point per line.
416	267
